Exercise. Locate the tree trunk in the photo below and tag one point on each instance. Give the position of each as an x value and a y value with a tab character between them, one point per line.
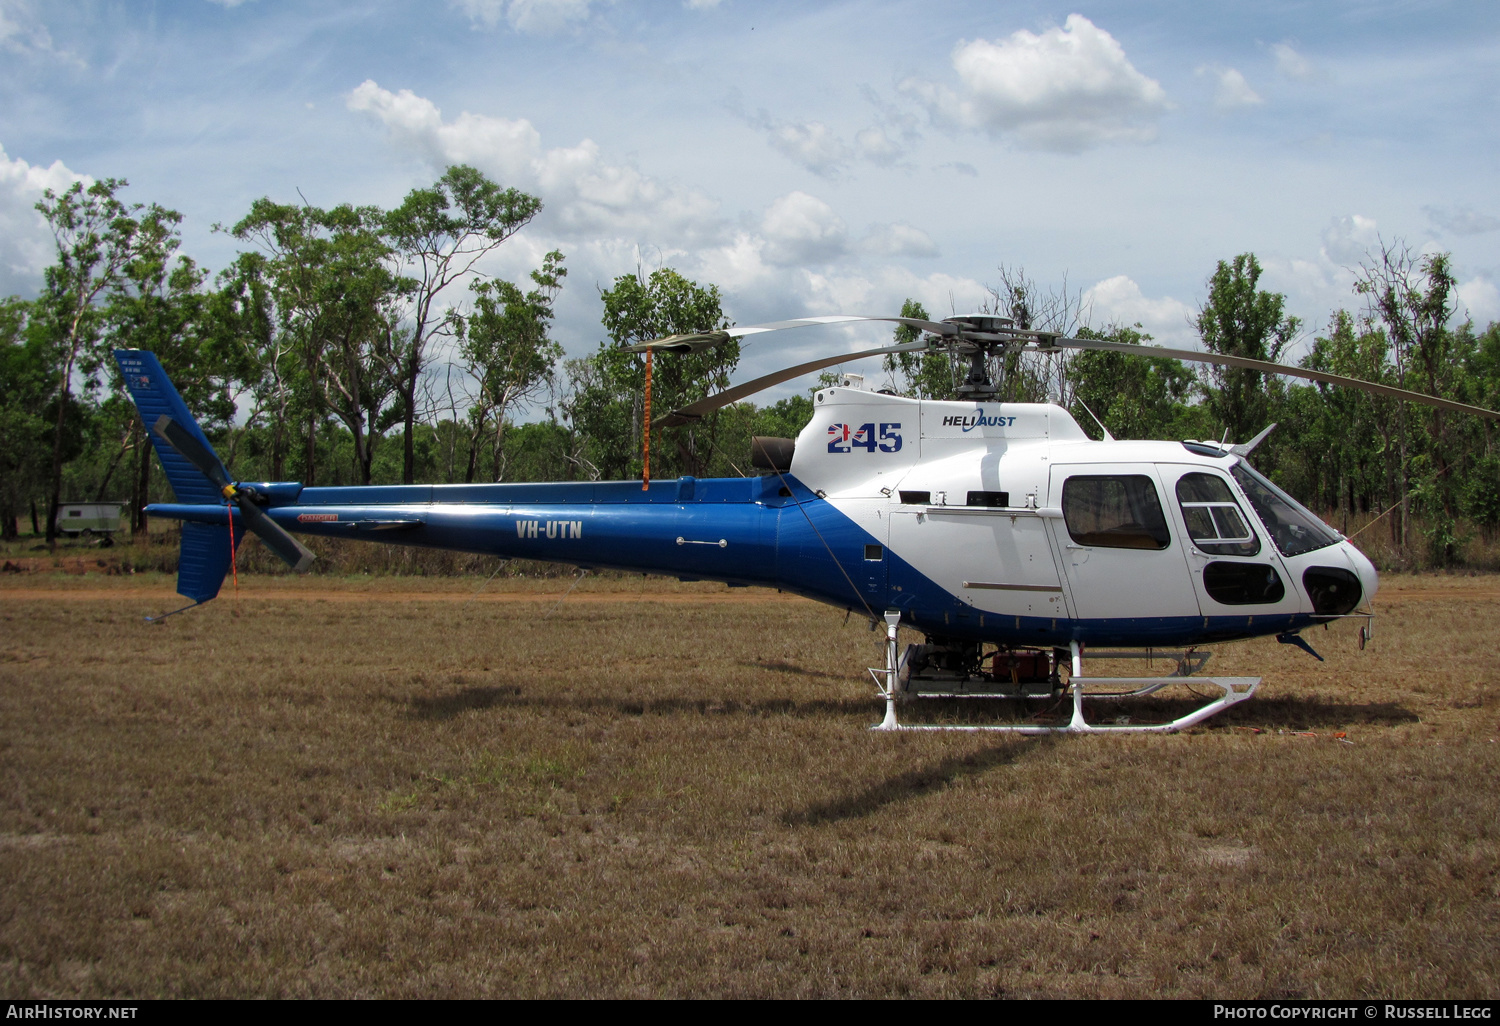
139	525
113	464
312	449
499	455
278	449
363	431
408	425
474	437
54	490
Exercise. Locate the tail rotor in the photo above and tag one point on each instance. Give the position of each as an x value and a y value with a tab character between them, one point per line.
292	552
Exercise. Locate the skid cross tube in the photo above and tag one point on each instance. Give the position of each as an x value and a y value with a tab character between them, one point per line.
1235	690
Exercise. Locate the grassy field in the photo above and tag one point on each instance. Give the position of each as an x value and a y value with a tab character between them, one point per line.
400	788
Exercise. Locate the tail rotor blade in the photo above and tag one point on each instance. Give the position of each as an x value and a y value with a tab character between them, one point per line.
194	451
292	552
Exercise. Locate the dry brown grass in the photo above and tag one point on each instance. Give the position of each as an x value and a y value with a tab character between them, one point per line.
639	795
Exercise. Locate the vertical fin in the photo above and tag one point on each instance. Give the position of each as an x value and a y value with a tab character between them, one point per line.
204	560
155	397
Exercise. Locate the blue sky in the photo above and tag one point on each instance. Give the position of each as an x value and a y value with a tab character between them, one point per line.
807	158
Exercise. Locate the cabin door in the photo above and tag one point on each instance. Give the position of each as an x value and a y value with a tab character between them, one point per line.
1120	558
1234	566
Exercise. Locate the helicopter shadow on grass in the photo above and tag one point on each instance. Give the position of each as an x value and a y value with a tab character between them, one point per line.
1288	713
1292	712
456	703
1296	712
781	666
911	784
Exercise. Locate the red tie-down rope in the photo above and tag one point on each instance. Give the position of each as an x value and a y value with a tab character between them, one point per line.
232	561
646	444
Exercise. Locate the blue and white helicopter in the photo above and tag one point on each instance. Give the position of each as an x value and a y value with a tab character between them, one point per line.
999	531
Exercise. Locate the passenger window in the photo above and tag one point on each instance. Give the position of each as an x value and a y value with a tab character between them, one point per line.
1115	512
1214	520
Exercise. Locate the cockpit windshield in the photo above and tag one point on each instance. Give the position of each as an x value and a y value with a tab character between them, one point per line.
1292	527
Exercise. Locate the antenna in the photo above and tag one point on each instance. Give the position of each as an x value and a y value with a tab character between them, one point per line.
1107	436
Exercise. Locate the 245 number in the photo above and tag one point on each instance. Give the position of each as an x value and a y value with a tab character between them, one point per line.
846	438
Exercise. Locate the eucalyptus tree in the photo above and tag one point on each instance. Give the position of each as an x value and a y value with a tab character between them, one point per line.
1241	319
504	347
435	237
1347	440
328	276
96	236
1133	396
1028	378
25	383
1414	299
1482	498
159	304
608	388
249	323
925	375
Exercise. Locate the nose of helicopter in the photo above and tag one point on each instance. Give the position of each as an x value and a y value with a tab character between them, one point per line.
1369	580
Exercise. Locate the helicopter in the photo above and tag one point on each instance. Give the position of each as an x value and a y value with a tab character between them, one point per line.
1000	531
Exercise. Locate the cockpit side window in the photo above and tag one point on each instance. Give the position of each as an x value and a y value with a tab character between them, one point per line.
1292	528
1117	512
1214	520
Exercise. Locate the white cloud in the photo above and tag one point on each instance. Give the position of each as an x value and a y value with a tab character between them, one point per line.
541	17
881	290
700	5
1479	300
1119	300
1291	64
1312	288
1462	221
25	242
1232	91
811	144
1066	90
22	31
819	149
738	266
584	195
802	229
899	239
1348	238
876	146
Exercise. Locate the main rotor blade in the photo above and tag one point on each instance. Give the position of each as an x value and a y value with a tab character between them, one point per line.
1266	367
935	327
703	339
703	407
292	552
194	451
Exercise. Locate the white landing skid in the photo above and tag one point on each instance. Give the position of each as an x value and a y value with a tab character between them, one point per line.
1235	690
